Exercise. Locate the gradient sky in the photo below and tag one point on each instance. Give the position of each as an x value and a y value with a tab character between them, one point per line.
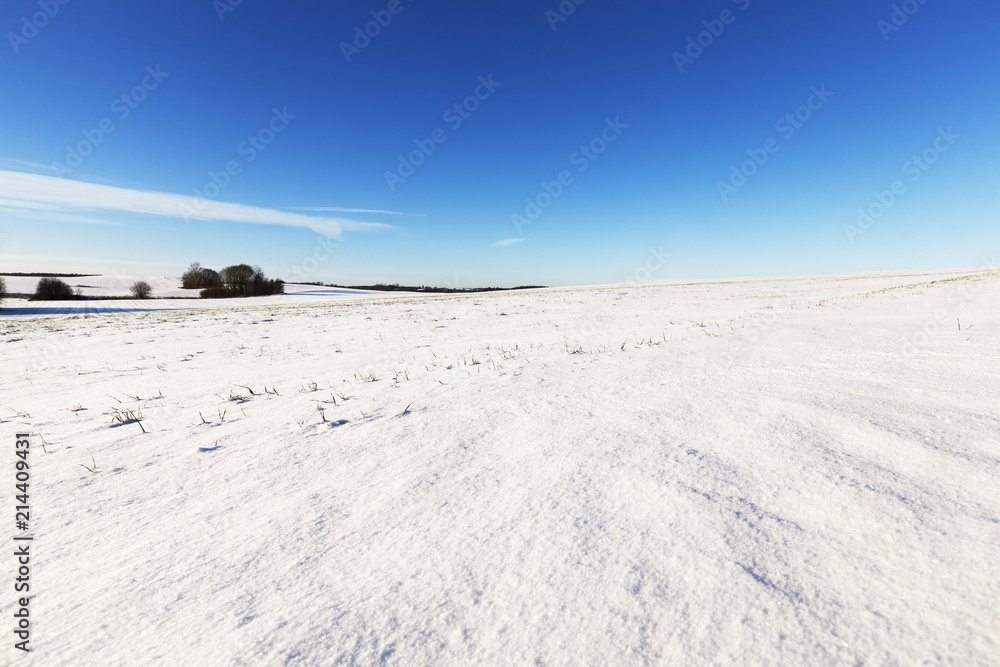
314	203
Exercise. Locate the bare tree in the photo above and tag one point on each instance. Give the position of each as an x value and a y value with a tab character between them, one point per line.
142	290
190	278
198	277
238	279
52	289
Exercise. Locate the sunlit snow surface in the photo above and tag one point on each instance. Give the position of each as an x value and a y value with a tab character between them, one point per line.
800	471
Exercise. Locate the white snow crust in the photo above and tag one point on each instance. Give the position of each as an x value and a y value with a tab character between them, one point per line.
787	471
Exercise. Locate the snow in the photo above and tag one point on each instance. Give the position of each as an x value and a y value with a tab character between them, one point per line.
106	285
167	293
764	471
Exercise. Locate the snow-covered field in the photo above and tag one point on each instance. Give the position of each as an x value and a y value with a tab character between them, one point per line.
798	471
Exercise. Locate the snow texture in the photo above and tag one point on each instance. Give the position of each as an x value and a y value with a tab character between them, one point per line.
796	471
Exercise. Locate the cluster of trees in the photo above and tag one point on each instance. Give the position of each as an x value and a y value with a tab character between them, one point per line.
3	289
240	280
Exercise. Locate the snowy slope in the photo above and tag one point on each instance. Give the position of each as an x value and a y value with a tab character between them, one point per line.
106	285
774	471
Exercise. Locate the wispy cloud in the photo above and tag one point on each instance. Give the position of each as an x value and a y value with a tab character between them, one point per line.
351	226
49	215
507	242
21	164
356	210
14	203
24	191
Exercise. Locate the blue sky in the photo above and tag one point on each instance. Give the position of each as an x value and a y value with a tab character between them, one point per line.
619	100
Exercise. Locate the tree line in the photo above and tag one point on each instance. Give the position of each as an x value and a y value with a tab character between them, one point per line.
240	280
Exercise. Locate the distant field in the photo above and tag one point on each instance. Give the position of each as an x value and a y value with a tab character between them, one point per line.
165	288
